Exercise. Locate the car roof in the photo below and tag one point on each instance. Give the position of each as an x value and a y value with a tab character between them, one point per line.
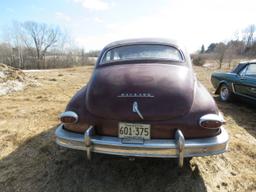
242	65
248	62
142	41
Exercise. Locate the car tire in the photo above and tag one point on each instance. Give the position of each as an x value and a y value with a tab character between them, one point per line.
225	93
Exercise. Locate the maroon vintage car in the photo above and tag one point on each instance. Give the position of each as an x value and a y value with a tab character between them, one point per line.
143	99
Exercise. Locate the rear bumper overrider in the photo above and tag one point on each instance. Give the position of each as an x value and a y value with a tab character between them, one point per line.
163	148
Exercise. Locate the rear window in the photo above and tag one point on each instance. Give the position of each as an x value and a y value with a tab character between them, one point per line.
141	52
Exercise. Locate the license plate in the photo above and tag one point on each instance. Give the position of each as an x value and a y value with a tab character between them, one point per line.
134	131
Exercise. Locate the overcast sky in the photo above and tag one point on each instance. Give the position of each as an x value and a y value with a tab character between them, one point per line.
93	23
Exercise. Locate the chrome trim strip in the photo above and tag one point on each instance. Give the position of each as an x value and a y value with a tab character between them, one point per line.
233	88
247	96
164	148
138	43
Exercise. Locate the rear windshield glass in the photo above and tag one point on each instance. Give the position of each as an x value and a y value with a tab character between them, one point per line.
141	52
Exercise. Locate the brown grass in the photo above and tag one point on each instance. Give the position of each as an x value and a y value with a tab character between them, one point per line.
31	161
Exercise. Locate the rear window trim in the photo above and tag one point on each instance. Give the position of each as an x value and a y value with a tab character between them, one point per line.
127	60
143	61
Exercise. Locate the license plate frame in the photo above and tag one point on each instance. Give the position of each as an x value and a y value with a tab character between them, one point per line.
134	131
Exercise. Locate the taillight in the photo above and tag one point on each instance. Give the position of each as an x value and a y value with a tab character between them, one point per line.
211	121
68	117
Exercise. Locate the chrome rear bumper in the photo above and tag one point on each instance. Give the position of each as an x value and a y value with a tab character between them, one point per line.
165	148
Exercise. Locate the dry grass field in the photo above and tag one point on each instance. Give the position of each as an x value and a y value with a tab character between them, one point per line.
31	161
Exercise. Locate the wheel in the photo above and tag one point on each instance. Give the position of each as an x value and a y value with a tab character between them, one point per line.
225	94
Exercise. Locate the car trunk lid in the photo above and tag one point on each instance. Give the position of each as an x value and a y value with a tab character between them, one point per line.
140	92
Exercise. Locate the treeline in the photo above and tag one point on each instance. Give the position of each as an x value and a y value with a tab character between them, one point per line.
242	46
32	45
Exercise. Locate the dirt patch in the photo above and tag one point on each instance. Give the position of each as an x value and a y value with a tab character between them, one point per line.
9	73
31	161
12	79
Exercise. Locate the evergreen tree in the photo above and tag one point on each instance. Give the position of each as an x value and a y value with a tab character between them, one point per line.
202	49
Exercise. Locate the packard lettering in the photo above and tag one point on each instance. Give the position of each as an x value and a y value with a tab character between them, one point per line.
135	95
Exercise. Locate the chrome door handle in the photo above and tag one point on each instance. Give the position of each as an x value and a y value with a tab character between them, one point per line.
253	90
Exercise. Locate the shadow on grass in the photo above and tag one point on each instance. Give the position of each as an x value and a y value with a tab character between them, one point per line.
242	112
40	165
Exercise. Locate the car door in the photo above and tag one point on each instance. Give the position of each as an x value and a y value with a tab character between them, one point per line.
246	86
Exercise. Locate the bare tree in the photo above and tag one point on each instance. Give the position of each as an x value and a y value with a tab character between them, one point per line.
17	42
41	37
33	45
248	35
234	49
13	37
220	50
230	54
5	53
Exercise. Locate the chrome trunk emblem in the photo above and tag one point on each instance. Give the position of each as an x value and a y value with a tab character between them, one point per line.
135	109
